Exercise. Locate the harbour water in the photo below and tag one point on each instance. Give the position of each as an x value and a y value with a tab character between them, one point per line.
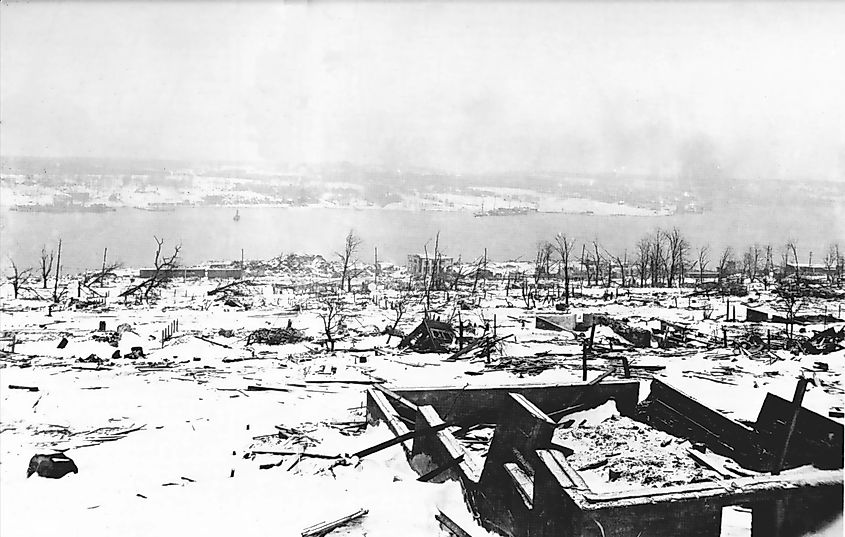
210	233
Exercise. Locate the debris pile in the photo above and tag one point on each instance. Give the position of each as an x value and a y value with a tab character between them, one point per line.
638	337
276	336
627	453
824	342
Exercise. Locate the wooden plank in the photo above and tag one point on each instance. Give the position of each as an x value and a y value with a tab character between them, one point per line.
450	525
440	469
399	439
523	483
324	527
797	399
395	396
711	463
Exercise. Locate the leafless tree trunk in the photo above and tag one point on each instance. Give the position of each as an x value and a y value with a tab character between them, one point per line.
564	246
643	256
657	261
350	247
58	271
598	261
332	318
541	263
724	260
18	278
46	266
793	298
703	260
399	307
677	249
751	261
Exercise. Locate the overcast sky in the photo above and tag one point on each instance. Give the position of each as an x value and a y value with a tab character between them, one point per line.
474	87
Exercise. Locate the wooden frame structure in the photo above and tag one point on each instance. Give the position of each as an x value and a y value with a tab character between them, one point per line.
526	487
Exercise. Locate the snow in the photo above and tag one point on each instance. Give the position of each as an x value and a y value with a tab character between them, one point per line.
196	419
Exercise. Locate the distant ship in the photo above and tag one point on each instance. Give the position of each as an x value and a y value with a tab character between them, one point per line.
237	215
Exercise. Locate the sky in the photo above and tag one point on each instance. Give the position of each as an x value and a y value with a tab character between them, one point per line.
468	87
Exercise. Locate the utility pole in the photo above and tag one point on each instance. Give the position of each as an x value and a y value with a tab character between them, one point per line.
375	260
242	263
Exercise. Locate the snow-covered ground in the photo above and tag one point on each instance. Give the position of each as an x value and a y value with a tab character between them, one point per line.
162	442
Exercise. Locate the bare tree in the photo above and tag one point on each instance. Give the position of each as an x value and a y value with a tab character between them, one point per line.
350	247
435	269
18	278
542	261
163	267
46	265
598	261
564	246
459	271
585	262
98	277
399	306
643	257
677	247
332	318
58	272
751	261
657	262
833	264
703	260
793	298
724	262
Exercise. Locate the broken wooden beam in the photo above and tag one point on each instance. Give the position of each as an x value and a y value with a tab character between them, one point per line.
325	527
212	342
440	469
252	388
286	452
450	525
797	399
27	388
396	397
401	438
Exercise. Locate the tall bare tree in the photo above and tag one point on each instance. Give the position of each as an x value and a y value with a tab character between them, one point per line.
564	246
703	260
643	258
657	263
18	278
350	248
542	261
58	272
677	247
724	262
399	307
46	265
751	261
